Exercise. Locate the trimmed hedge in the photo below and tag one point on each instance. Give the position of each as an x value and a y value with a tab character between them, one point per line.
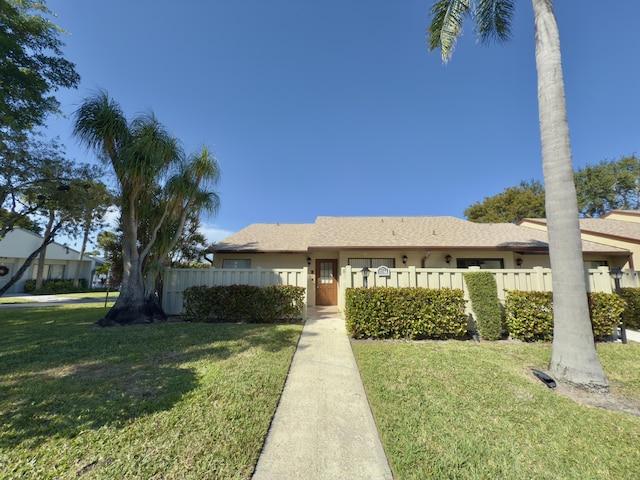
411	313
529	315
632	310
483	292
56	286
234	303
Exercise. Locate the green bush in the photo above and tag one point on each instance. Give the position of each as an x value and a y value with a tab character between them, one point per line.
412	313
606	311
55	286
529	315
632	310
483	293
246	303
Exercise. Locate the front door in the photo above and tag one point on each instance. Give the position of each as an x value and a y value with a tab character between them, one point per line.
326	282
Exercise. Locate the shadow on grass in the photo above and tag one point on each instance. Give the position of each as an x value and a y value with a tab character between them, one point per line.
60	376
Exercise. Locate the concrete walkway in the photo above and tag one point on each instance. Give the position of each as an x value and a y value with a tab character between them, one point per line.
323	427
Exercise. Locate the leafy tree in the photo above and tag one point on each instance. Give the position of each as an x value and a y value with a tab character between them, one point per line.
53	196
94	200
515	203
23	164
609	185
574	358
111	245
157	184
31	66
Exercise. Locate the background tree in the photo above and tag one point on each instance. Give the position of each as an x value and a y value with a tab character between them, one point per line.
111	245
53	197
574	357
94	200
23	164
32	66
609	185
515	203
144	158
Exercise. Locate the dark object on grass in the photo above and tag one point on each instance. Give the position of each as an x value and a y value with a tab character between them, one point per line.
546	379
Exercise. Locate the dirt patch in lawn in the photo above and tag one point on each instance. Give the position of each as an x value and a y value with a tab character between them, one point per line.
607	401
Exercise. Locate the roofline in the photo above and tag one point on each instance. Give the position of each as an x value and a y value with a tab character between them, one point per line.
631	213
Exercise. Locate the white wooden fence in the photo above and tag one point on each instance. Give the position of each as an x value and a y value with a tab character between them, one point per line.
538	278
176	280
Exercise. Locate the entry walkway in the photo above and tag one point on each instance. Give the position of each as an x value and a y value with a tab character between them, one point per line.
323	427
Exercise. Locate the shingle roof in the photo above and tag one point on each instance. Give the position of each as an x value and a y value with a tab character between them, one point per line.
261	237
629	231
338	233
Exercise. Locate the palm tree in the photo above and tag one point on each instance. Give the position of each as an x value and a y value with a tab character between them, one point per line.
574	357
143	154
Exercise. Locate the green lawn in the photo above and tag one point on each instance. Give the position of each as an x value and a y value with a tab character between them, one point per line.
460	410
166	401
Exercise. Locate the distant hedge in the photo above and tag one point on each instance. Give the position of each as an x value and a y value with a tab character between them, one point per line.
271	304
56	286
411	313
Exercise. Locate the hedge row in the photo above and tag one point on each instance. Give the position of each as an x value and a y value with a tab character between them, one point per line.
412	313
234	303
529	315
56	286
419	313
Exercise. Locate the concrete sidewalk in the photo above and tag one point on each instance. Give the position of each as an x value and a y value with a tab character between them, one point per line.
323	427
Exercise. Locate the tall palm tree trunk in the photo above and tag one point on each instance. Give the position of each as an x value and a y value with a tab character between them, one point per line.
134	305
574	357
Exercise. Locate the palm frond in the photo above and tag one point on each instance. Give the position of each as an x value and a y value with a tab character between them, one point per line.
100	125
493	20
446	25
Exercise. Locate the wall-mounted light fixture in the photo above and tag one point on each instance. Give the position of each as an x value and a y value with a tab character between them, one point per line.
404	259
518	261
447	259
308	260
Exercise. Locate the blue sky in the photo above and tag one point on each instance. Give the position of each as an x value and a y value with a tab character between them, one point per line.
336	107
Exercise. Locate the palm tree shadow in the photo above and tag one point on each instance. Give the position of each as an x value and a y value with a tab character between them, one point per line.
105	378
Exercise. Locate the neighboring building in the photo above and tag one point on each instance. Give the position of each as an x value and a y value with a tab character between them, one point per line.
60	263
424	242
618	228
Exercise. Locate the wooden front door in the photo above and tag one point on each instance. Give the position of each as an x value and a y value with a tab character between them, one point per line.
326	282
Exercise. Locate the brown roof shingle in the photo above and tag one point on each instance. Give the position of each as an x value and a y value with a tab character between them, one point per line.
337	233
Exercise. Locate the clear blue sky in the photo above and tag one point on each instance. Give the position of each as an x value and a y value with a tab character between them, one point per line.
334	107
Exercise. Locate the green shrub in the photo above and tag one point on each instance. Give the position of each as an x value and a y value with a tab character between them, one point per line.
247	303
483	293
632	310
412	313
55	286
606	311
529	315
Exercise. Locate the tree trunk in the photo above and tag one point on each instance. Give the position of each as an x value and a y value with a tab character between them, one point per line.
43	253
85	239
574	357
134	305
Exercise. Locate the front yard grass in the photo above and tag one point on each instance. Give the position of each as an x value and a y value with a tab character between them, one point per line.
460	410
170	401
